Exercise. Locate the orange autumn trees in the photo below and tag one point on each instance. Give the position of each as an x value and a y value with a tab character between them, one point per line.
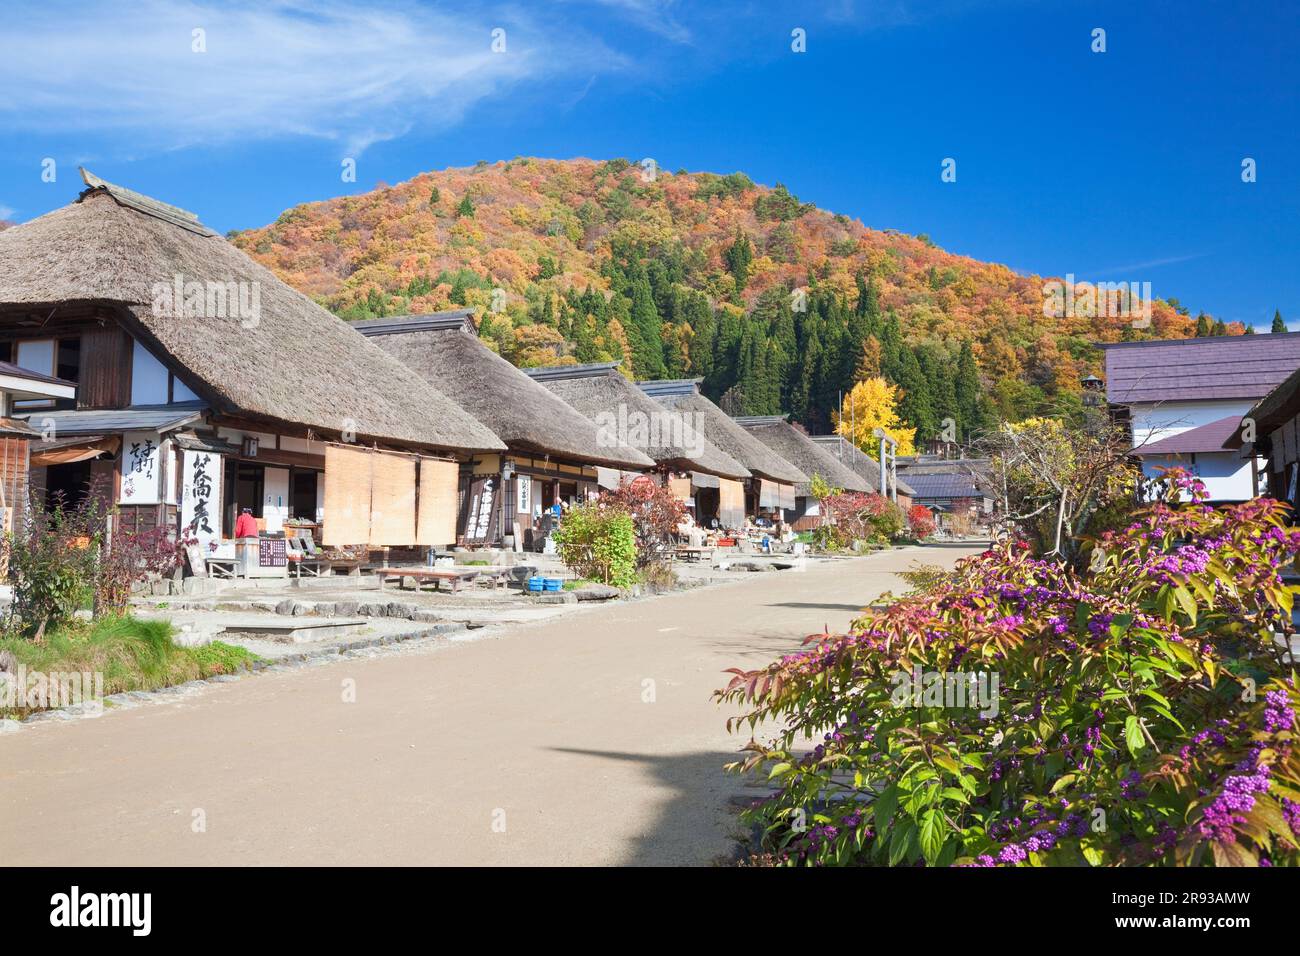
688	274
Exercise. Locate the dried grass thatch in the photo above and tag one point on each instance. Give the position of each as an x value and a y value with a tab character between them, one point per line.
295	364
600	390
447	353
683	396
804	453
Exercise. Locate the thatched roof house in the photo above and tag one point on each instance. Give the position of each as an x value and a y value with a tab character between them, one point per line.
623	411
243	341
852	456
446	352
683	396
804	453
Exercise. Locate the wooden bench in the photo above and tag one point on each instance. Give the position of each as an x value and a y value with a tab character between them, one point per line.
221	567
694	552
454	576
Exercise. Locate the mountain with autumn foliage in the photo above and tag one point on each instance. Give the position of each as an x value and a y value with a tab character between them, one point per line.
777	305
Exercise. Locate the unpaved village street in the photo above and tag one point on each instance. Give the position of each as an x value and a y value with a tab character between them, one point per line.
543	729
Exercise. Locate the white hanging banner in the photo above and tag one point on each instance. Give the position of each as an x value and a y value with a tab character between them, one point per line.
201	498
524	495
141	464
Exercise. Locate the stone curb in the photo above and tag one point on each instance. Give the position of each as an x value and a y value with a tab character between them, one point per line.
288	661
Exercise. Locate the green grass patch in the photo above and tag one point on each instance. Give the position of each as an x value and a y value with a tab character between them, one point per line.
130	653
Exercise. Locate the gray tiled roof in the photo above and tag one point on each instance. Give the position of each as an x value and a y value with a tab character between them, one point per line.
1183	370
432	322
944	486
112	421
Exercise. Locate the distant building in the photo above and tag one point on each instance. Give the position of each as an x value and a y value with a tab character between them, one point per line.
948	485
1182	399
695	469
772	479
867	467
807	456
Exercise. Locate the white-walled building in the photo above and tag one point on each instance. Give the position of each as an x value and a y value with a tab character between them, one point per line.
1184	398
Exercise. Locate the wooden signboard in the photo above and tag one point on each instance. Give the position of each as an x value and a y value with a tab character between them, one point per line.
271	553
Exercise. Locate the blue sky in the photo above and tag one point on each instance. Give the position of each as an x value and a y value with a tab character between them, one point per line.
1122	165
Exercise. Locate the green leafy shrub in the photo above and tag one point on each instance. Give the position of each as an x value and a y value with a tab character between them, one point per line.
63	559
1141	711
598	541
828	538
52	565
655	511
866	517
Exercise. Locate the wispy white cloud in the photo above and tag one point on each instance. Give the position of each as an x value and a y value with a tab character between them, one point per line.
655	16
1151	263
352	72
7	212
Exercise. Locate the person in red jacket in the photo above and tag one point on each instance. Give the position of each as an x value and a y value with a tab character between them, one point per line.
246	525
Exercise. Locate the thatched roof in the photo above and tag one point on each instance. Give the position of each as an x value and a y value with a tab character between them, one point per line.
602	394
446	352
854	457
286	361
804	453
683	396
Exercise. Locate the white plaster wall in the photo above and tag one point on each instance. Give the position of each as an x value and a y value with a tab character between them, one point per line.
1154	421
1226	477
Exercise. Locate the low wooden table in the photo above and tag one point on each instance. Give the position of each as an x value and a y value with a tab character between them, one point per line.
310	567
454	576
694	552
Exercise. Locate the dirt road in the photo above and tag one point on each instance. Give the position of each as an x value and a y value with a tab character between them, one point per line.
587	740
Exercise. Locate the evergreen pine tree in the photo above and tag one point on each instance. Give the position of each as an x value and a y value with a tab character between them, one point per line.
966	390
644	331
916	407
584	345
1278	324
738	257
941	385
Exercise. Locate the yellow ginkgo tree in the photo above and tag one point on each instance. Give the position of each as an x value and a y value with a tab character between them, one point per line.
873	403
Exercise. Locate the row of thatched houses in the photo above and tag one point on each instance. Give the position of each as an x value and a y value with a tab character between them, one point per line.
144	356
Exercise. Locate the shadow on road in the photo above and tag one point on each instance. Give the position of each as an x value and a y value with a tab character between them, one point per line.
699	824
819	606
